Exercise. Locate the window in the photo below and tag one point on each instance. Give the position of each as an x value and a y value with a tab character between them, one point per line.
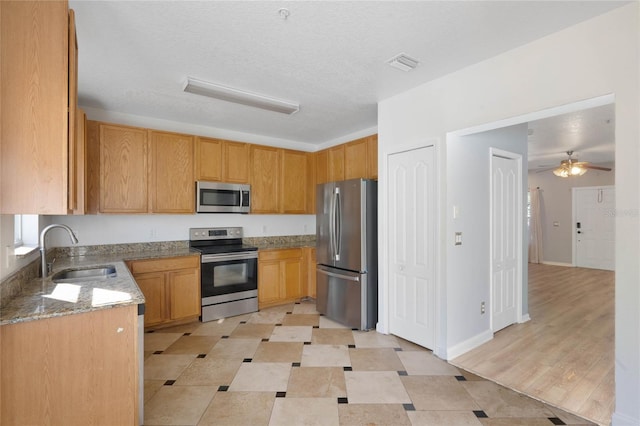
17	230
25	233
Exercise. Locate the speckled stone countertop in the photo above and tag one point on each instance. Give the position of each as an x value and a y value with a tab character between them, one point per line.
33	298
283	242
40	299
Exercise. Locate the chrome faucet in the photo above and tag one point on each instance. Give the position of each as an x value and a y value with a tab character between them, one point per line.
43	251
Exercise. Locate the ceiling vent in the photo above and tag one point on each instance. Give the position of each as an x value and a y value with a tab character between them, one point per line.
403	62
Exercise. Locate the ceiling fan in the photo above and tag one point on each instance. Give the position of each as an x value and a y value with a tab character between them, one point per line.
571	167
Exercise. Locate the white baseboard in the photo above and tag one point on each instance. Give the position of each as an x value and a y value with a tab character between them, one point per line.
524	318
623	420
569	265
469	344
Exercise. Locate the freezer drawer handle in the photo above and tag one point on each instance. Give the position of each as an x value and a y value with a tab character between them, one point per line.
344	277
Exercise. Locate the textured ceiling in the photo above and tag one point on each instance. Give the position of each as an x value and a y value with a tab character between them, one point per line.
328	56
589	133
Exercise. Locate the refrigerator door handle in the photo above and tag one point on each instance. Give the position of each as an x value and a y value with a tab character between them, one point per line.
332	223
338	224
344	277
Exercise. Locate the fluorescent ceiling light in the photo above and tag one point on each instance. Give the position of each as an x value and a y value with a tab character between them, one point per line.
230	94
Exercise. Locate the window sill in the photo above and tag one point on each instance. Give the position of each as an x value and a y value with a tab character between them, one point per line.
24	251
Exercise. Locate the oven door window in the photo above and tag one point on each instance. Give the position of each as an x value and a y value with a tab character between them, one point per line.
229	276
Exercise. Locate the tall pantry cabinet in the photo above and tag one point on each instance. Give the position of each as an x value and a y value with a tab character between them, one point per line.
38	102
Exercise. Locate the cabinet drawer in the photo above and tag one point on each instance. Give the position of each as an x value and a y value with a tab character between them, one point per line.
168	264
277	254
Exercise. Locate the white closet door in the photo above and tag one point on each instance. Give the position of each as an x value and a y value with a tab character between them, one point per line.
412	213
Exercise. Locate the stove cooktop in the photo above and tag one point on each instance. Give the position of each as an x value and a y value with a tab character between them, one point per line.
218	240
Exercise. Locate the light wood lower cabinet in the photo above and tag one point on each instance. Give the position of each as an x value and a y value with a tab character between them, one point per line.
171	288
310	262
281	275
77	369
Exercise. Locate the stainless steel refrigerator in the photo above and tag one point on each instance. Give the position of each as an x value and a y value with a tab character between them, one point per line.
347	252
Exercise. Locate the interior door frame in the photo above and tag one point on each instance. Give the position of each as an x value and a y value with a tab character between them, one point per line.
574	218
493	152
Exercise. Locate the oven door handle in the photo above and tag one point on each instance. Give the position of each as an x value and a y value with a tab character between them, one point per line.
210	258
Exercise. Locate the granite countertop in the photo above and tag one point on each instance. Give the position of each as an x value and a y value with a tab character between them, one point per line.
42	298
284	242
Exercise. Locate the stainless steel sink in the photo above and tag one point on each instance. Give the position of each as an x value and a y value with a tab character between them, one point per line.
85	274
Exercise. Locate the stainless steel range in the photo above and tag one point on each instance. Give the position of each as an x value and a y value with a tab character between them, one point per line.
229	272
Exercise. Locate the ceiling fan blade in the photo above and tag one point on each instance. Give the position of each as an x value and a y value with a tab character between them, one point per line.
545	169
589	166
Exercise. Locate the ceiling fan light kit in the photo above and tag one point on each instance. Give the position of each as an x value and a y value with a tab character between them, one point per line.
570	167
229	94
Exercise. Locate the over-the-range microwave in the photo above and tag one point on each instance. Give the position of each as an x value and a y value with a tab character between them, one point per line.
218	197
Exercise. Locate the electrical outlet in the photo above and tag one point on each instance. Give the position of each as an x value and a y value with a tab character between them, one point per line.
482	308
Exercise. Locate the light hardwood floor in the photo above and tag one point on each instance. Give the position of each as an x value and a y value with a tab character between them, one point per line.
565	354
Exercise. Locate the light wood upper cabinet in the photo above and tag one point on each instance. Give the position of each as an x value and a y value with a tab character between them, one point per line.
218	160
92	132
38	53
355	159
172	182
336	163
322	166
78	166
123	169
294	182
265	179
236	160
372	157
208	159
311	183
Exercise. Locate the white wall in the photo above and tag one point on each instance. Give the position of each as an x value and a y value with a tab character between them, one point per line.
116	229
591	59
10	263
468	188
555	206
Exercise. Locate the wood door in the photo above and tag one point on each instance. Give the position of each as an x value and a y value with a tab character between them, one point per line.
172	185
412	245
184	293
269	277
236	160
294	182
92	191
123	169
355	159
62	370
292	277
372	157
208	159
310	254
322	166
74	136
265	179
336	163
311	183
505	247
152	285
594	238
79	165
34	105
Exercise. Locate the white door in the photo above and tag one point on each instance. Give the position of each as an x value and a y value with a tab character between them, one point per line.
594	227
505	248
412	214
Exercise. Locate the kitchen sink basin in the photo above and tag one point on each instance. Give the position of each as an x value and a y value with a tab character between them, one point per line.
85	274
